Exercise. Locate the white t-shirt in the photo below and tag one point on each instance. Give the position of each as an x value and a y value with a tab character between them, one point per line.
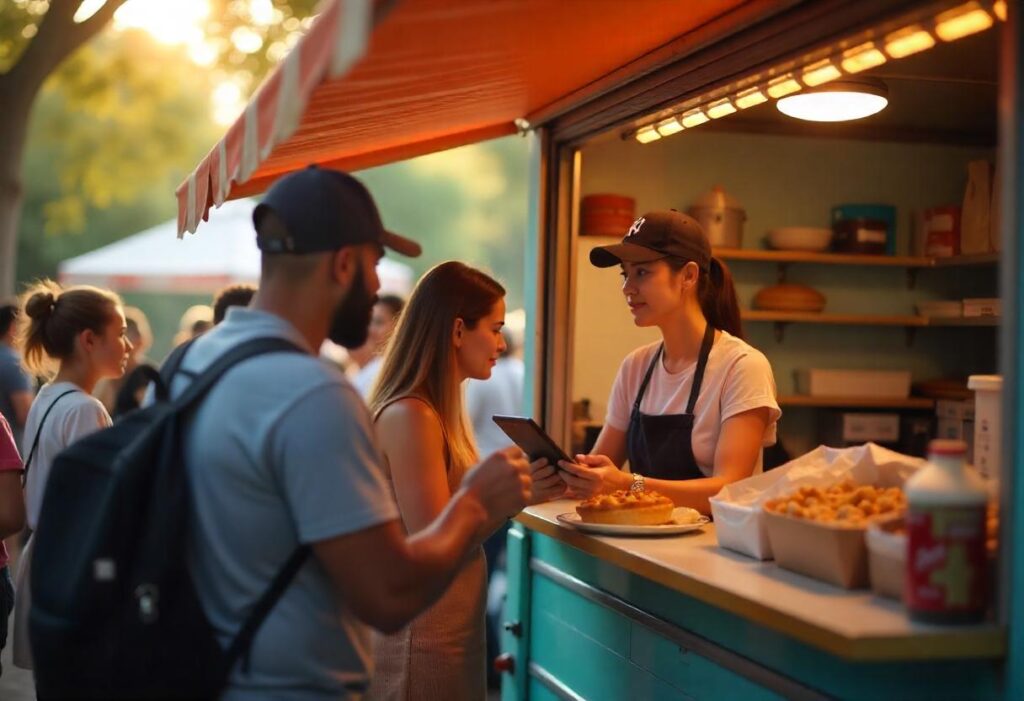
366	376
73	417
737	378
502	393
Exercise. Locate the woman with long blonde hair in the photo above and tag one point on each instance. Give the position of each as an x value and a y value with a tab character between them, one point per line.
449	331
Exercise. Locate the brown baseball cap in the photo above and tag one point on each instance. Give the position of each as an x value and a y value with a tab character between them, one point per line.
661	234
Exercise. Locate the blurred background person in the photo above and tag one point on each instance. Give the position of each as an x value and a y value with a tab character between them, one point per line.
385	315
15	384
123	394
197	319
502	394
12	519
231	296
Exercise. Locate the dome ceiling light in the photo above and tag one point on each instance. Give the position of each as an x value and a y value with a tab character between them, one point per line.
838	101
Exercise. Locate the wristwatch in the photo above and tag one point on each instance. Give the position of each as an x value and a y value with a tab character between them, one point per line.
638	484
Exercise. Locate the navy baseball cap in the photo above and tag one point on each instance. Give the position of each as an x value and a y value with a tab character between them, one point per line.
655	235
324	210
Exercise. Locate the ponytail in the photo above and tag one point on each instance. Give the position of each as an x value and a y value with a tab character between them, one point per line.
717	295
53	317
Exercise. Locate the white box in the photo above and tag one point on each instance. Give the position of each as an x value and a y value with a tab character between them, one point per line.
940	308
891	384
864	428
960	409
983	307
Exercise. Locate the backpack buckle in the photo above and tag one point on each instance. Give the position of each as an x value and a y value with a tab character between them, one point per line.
148	596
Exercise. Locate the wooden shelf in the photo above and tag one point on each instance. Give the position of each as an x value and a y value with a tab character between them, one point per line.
826	318
803	400
808	257
908	320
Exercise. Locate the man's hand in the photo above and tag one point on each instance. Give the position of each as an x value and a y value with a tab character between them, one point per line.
501	483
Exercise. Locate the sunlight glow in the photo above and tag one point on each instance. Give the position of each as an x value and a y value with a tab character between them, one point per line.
178	22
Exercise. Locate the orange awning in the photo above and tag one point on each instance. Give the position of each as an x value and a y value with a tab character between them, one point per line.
429	75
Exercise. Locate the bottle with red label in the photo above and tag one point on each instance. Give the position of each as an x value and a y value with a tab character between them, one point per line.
946	565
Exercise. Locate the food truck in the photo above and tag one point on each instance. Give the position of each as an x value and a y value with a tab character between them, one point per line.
876	259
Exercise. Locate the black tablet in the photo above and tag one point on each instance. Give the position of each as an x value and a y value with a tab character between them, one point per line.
525	433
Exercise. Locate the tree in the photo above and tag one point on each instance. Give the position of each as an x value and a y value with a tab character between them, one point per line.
38	36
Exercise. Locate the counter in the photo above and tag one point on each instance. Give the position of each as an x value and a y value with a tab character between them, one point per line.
678	617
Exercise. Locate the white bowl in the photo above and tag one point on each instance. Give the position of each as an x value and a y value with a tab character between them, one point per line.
800	238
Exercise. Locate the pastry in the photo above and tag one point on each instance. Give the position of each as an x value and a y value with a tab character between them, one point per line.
625	508
846	503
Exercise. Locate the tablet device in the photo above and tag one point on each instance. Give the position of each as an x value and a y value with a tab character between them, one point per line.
525	433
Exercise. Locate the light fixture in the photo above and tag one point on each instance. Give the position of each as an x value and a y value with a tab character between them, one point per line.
782	86
839	101
668	127
819	73
693	118
999	9
721	108
961	21
860	58
646	135
750	98
907	41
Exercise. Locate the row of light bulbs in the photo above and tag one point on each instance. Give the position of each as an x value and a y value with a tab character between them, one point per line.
953	24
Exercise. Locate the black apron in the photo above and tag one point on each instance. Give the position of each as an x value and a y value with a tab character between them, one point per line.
662	446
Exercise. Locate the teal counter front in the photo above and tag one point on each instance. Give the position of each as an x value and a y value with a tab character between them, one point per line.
592	617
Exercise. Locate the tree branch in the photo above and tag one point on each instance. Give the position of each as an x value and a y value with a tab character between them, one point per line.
57	38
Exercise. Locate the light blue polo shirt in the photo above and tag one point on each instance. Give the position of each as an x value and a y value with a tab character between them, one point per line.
280	452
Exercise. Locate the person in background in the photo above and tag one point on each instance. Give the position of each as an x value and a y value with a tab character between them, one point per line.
501	393
196	320
385	315
282	453
692	411
123	394
15	384
76	337
12	519
231	296
449	332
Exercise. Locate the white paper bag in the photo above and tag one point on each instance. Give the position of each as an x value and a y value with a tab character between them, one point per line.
739	519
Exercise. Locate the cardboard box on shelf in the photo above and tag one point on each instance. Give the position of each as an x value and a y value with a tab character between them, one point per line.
845	428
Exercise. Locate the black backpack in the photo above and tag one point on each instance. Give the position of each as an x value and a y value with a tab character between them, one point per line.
115	613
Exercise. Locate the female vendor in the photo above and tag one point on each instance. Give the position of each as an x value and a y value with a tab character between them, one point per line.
691	412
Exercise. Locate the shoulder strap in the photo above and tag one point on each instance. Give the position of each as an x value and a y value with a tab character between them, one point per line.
209	377
162	385
39	432
241	646
702	364
647	378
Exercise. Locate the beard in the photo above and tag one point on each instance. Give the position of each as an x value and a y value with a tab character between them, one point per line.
350	326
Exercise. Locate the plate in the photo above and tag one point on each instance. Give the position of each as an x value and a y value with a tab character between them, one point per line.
572	519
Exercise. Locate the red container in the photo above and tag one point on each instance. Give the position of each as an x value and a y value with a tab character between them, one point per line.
606	215
942	231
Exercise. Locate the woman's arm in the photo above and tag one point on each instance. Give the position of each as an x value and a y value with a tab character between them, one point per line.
612	444
736	454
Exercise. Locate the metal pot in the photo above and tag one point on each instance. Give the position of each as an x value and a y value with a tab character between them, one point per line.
721	216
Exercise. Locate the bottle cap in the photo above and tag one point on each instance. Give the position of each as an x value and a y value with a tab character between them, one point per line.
945	446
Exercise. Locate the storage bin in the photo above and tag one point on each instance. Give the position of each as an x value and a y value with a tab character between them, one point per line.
891	384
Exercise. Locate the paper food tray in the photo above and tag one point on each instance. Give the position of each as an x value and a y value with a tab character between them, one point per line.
739	519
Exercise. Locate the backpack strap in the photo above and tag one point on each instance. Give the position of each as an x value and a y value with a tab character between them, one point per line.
241	646
39	432
211	375
162	383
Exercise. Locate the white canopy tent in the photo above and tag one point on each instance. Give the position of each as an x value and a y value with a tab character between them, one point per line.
156	260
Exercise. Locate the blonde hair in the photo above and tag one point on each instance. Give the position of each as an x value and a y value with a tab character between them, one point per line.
420	357
52	317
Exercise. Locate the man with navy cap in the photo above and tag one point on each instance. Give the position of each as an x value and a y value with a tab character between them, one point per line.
282	453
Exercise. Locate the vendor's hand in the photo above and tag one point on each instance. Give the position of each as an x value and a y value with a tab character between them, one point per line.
501	483
593	474
547	483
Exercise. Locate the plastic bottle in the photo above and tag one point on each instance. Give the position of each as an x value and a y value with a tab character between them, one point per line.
946	566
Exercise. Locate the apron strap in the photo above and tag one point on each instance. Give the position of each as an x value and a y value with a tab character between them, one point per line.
647	378
702	363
